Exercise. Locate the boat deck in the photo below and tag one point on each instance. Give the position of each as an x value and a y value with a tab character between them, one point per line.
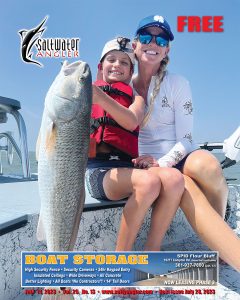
20	205
20	198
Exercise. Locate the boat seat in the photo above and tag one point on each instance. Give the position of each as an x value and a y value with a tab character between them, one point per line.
11	106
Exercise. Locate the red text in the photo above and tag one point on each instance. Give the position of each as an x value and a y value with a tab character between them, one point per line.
200	24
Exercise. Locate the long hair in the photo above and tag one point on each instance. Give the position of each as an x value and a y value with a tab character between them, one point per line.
158	79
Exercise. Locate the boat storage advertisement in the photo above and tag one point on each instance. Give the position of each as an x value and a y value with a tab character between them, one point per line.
42	44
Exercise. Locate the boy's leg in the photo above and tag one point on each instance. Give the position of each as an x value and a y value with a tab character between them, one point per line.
142	188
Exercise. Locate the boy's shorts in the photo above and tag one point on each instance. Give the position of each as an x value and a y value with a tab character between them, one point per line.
96	170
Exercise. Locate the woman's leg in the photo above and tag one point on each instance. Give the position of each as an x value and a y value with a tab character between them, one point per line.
209	226
142	187
165	206
205	169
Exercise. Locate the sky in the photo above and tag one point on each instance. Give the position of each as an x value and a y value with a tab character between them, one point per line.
210	61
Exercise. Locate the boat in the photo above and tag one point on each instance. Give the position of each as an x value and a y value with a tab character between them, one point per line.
20	206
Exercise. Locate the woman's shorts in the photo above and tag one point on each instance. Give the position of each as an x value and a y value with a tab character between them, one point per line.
96	170
181	164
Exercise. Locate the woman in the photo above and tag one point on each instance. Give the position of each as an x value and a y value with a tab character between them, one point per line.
165	139
110	173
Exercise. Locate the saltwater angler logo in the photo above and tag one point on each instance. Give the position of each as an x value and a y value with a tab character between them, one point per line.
34	46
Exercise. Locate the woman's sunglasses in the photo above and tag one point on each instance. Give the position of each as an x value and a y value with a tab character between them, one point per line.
146	38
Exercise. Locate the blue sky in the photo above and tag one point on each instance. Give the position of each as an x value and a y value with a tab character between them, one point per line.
210	61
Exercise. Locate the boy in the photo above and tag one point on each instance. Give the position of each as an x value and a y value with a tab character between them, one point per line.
110	174
115	133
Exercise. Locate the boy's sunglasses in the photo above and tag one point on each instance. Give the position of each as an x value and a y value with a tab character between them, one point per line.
146	38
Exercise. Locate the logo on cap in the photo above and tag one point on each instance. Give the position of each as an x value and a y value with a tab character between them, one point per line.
123	43
159	19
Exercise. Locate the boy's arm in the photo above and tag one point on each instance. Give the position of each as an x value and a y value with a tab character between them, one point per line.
128	118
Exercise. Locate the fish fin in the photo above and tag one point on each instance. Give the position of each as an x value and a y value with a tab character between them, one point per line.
22	33
41	236
77	221
38	145
51	139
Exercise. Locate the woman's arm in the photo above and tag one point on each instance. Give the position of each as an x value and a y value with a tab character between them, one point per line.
183	112
129	118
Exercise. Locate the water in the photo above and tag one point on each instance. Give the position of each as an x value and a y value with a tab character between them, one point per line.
16	167
230	173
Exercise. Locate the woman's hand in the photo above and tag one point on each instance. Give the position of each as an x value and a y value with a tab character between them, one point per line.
145	162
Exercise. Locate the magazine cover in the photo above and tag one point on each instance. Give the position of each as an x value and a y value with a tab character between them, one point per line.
119	150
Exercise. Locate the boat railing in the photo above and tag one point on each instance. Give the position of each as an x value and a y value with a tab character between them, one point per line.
227	162
211	146
11	106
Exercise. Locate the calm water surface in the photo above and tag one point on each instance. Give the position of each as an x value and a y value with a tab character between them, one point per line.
230	173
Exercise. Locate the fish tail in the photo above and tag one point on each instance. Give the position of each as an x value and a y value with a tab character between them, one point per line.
41	235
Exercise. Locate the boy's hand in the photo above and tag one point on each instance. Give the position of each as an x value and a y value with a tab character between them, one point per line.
145	162
96	94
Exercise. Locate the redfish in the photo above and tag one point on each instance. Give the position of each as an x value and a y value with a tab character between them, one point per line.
62	159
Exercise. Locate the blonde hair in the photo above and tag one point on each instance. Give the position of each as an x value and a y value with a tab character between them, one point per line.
158	79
